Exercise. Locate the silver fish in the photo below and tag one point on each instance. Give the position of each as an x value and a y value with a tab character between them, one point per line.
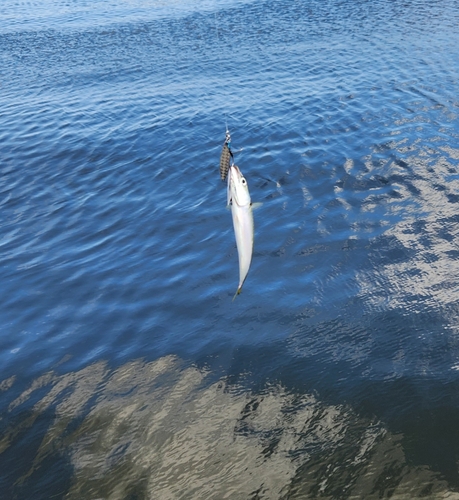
238	197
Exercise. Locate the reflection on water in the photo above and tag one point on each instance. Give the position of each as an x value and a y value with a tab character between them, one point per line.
163	430
419	268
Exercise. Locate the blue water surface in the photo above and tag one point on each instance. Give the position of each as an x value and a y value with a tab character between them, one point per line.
119	263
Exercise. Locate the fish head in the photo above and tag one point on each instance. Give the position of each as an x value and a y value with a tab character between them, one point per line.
238	190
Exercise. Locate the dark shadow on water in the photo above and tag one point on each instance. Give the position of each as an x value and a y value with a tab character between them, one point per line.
21	474
430	427
432	437
421	409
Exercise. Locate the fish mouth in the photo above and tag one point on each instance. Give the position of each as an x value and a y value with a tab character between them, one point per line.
236	172
234	178
236	168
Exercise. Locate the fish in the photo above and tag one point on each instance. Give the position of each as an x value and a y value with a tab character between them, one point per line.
238	198
225	156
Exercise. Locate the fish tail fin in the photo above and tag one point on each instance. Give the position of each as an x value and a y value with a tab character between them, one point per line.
238	291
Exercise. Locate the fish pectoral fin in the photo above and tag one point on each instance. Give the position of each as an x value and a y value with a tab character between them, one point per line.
256	205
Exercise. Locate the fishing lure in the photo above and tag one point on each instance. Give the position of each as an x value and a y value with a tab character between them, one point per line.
225	156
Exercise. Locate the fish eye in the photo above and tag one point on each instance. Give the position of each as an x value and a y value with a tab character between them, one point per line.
243	181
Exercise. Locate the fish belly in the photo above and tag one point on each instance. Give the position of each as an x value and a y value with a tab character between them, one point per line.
243	230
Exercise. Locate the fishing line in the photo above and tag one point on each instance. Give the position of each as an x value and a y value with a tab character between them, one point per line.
226	155
220	41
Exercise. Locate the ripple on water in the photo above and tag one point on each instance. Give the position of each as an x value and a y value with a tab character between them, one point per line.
118	255
162	428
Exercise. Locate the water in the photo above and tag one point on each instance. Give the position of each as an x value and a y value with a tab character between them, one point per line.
126	369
